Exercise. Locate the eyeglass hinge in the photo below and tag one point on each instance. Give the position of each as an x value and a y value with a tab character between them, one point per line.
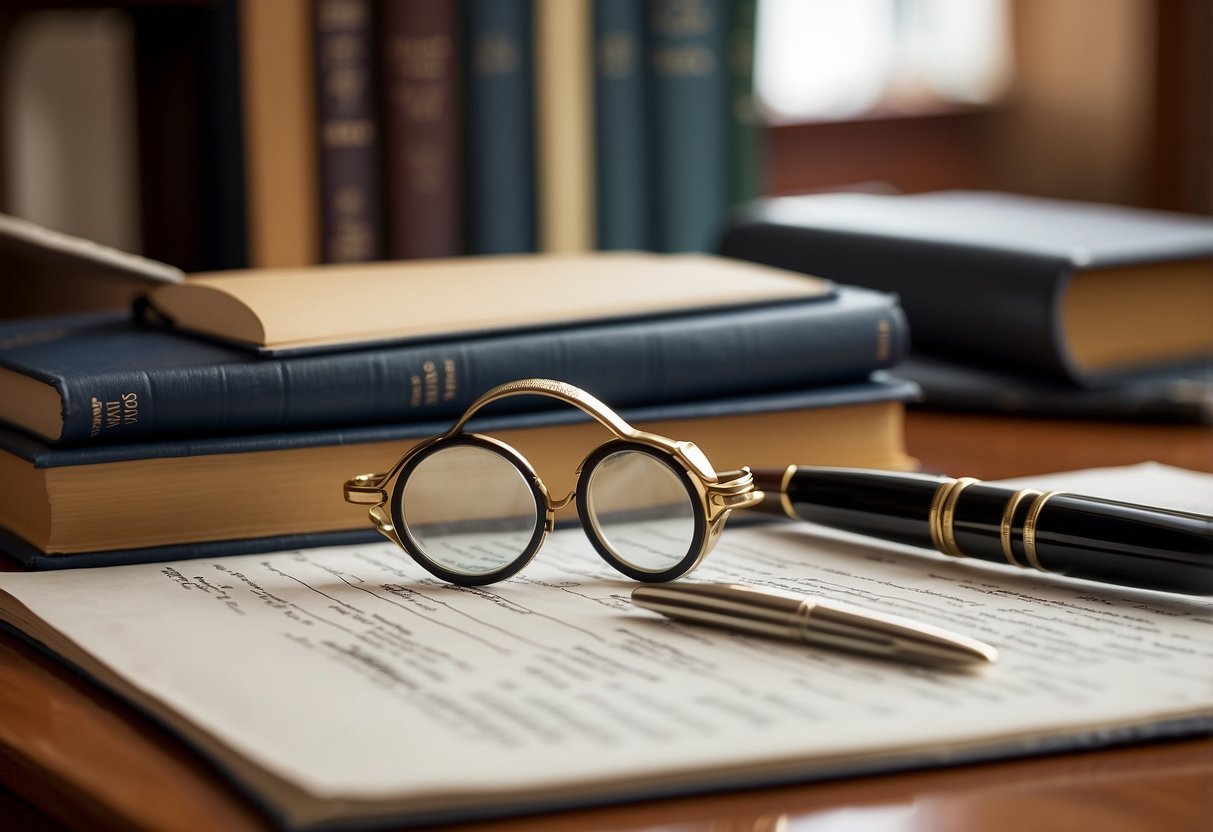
364	490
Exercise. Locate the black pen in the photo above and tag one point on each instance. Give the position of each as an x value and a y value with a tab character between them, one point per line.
1051	531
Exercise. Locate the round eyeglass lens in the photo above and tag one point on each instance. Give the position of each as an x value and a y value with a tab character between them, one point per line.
641	510
469	509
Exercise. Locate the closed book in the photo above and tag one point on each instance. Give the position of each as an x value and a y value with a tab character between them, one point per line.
499	122
1093	294
422	156
351	214
195	497
191	143
104	378
746	145
341	306
687	66
564	132
622	166
278	110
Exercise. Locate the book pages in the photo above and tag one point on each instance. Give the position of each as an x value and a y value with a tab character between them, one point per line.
345	682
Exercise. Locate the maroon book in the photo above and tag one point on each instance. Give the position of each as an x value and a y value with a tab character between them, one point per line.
351	214
421	128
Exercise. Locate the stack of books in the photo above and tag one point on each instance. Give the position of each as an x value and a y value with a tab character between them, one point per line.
226	416
1018	304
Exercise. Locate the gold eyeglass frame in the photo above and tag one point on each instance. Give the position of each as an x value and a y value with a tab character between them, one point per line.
717	493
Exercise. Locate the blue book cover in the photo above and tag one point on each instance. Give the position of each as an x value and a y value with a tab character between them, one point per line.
499	124
88	379
623	170
690	91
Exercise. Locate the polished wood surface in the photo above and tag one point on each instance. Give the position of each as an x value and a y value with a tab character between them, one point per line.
73	757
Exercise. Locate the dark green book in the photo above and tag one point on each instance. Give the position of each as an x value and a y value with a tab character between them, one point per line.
623	167
688	72
499	127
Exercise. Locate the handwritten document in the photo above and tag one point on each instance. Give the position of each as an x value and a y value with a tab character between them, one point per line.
346	682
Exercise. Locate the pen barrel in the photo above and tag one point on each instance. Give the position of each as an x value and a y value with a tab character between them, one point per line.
1067	534
891	506
1113	542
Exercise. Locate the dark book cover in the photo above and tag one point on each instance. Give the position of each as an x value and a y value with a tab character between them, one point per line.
351	214
746	145
422	156
687	66
1181	397
623	169
190	127
105	378
1091	294
500	126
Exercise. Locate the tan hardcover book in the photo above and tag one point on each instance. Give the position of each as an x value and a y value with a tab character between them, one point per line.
322	306
250	488
564	124
280	133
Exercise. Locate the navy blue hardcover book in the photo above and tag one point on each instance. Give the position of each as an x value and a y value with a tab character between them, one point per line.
623	170
690	105
499	125
148	501
105	378
1090	294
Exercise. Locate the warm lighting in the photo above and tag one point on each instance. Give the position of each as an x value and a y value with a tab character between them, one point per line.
824	60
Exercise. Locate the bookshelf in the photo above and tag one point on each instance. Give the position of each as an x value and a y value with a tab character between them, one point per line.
290	132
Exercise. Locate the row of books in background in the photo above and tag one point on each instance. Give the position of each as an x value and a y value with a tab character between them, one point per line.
291	132
506	126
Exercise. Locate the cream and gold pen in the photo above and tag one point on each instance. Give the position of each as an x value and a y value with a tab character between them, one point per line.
814	621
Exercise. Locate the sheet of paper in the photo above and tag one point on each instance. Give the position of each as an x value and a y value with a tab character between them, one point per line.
350	672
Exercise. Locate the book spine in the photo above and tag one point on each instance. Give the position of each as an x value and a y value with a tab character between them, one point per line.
682	358
499	127
278	108
690	94
935	284
350	213
621	126
422	158
190	145
746	150
563	130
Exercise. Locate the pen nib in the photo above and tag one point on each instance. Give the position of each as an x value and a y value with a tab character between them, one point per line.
814	621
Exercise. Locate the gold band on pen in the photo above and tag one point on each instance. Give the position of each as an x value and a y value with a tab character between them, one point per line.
1008	517
935	514
947	518
1029	528
943	512
784	499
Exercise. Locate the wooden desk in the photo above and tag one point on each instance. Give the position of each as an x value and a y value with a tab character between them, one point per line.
73	757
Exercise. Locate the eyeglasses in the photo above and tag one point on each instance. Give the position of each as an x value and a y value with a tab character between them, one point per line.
472	511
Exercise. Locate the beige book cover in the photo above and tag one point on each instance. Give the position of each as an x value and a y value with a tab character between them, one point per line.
564	124
281	310
280	129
